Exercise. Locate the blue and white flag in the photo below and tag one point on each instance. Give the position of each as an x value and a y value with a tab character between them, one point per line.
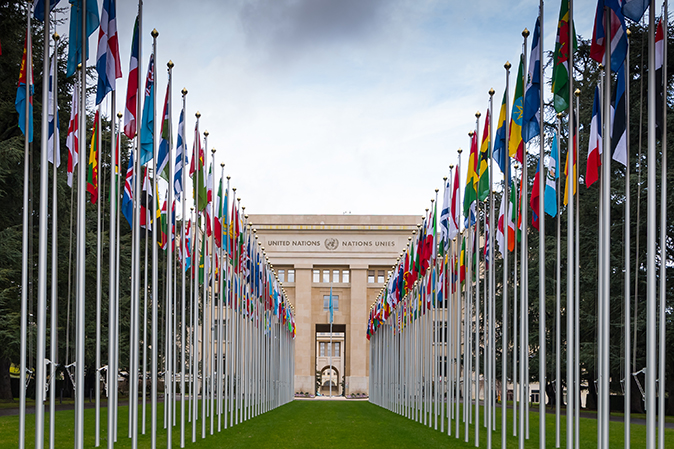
147	123
532	97
551	177
180	151
53	142
108	63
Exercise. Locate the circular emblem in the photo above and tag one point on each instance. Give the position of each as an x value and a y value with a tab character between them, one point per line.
331	244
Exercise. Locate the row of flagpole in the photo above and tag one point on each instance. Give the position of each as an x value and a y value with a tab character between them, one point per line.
421	374
242	347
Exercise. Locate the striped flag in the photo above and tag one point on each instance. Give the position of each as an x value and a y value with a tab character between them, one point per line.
454	214
20	102
618	34
165	140
130	110
92	167
180	151
108	64
551	177
75	34
147	123
595	147
532	96
470	195
54	141
499	153
560	66
515	144
73	133
619	122
483	162
127	198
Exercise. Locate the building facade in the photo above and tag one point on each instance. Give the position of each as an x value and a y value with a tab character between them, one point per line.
348	257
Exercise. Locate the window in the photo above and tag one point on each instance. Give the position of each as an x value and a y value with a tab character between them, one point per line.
337	349
281	275
345	276
317	276
335	276
370	276
291	276
326	276
322	349
326	303
380	276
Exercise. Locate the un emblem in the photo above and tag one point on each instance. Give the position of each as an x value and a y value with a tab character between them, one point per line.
331	244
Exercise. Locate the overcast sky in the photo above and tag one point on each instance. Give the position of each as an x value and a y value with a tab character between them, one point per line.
334	106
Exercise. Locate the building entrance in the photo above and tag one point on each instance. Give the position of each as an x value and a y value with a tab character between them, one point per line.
330	357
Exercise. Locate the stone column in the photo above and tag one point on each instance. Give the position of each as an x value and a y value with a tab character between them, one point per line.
304	350
357	381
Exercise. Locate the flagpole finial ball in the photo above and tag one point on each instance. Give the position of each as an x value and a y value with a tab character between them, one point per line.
191	208
559	115
56	36
184	91
444	178
239	200
525	33
470	133
491	92
451	166
222	164
154	33
436	191
629	33
170	64
577	93
459	151
79	66
507	65
119	115
234	189
213	150
206	133
197	114
601	66
477	114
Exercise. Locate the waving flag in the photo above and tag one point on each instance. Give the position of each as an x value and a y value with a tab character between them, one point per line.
535	196
75	35
127	198
618	134
470	194
165	141
500	154
515	144
38	8
54	141
20	102
92	167
551	178
108	64
444	215
130	110
197	170
618	37
147	124
500	228
532	96
181	151
483	162
595	146
72	142
634	9
454	217
560	66
659	92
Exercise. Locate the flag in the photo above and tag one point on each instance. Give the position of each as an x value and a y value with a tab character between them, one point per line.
217	231
54	141
20	102
512	212
444	215
330	307
209	200
500	155
532	97
165	141
500	228
162	215
147	123
75	35
575	170
187	245
197	170
595	147
515	143
618	134
180	151
92	167
462	262
130	110
560	66
483	162
127	198
454	216
72	141
551	177
535	197
634	9
470	194
108	64
659	53
38	8
618	34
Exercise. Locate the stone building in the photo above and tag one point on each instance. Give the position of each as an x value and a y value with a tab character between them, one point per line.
349	255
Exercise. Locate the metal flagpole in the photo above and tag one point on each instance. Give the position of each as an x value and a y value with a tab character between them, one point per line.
492	265
558	302
627	223
24	241
168	371
183	250
211	297
542	333
53	343
204	325
221	299
98	284
477	295
41	375
506	221
194	350
155	290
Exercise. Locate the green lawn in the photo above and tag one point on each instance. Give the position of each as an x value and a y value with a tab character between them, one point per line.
316	424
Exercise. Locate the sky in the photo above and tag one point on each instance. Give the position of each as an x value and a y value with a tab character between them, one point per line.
333	107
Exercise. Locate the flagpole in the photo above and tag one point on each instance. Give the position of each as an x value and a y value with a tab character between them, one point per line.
627	405
168	372
492	265
53	343
195	282
212	297
183	250
558	302
221	302
477	299
204	332
24	241
40	378
504	323
542	333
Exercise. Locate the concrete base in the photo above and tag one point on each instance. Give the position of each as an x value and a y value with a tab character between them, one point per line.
356	384
305	384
